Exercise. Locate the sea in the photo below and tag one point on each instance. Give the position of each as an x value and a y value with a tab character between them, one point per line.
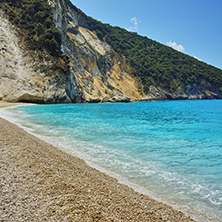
169	150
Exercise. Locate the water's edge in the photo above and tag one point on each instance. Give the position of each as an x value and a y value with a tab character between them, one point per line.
120	178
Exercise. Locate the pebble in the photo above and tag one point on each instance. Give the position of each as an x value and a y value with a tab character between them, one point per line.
42	183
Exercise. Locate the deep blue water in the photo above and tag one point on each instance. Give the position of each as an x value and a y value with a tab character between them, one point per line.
171	150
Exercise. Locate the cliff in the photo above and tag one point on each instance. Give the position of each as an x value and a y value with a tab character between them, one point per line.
24	77
97	72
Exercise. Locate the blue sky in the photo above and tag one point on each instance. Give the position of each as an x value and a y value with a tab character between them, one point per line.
191	26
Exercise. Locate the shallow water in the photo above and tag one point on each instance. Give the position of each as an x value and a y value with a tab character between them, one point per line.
171	149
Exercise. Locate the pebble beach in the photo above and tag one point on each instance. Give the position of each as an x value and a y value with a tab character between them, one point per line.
39	182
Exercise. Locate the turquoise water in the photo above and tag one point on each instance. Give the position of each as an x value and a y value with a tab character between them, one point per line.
171	150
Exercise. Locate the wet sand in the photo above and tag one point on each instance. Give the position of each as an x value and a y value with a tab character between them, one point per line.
4	104
39	182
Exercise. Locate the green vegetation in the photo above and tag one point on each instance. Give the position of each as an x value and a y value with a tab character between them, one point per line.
37	28
157	63
153	62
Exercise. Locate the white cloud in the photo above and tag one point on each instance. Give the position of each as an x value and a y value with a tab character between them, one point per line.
135	22
175	46
197	58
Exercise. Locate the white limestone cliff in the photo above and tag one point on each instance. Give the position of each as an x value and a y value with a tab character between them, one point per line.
96	71
20	77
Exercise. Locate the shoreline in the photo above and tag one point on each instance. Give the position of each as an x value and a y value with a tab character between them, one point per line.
4	104
110	198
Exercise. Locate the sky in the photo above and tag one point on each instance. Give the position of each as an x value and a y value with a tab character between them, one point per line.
193	27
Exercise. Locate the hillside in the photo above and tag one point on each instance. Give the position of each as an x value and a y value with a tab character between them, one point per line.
153	62
66	56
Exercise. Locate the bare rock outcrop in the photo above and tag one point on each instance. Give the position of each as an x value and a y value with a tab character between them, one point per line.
97	73
22	78
94	64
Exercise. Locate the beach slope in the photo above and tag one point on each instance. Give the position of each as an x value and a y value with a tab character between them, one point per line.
39	182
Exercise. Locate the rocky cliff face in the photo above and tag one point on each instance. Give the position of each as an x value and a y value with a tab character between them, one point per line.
94	65
24	77
97	72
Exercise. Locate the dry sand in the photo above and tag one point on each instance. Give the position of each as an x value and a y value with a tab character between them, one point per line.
39	182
